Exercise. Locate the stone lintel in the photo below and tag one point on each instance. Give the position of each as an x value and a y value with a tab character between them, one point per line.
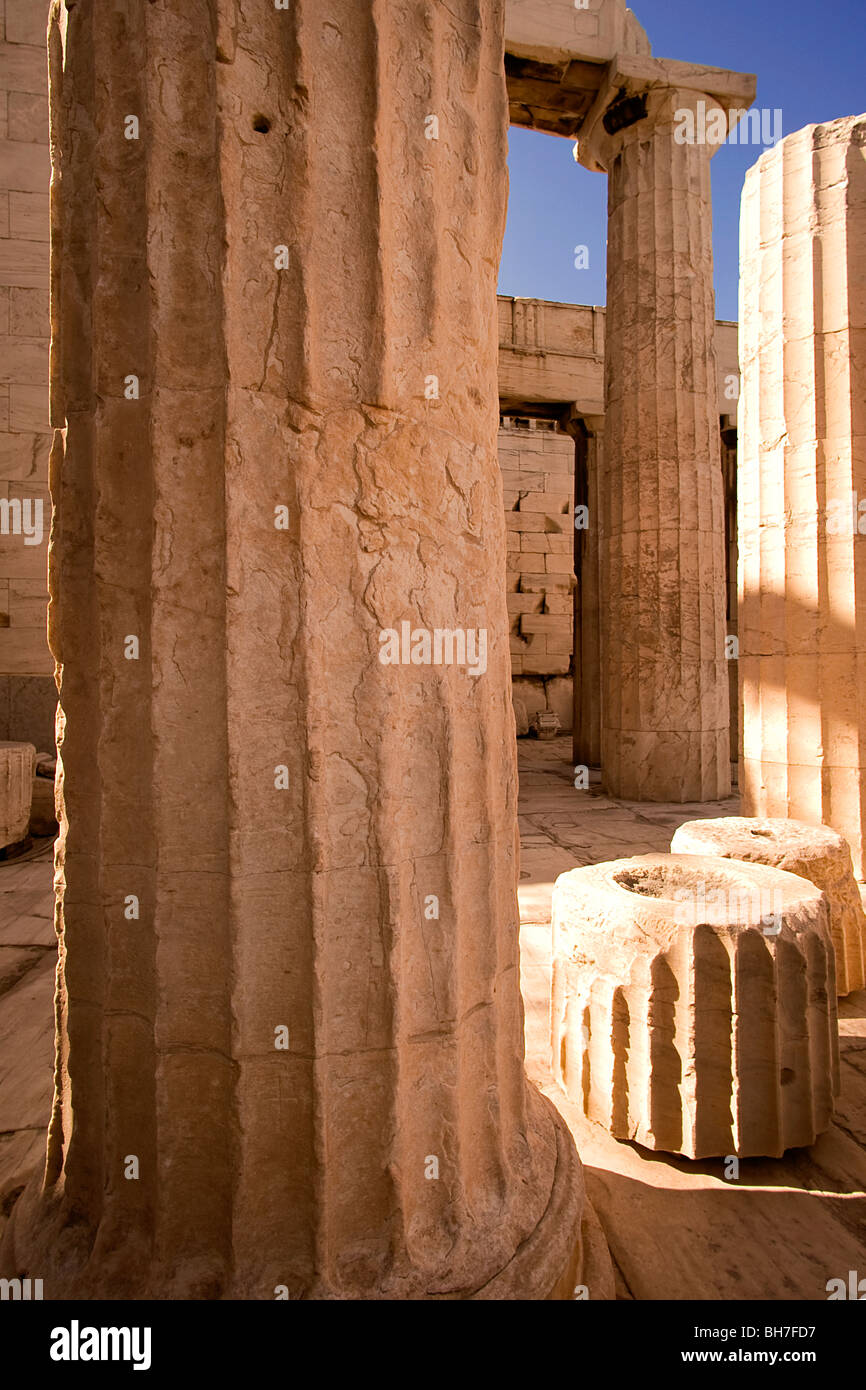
559	30
553	96
568	91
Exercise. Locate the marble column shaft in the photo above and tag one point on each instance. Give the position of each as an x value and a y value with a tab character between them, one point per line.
588	661
665	702
310	1037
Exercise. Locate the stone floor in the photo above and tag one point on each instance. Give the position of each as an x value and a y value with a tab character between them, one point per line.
676	1229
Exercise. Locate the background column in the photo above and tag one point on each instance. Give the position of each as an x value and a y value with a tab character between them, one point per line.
665	705
587	562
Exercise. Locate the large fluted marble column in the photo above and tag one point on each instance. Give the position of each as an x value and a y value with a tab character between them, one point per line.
289	1022
665	709
802	481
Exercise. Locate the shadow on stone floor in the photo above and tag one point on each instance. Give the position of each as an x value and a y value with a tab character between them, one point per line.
680	1229
726	1241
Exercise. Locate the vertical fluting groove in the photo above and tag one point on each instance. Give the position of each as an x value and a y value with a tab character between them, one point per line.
418	1207
125	491
195	1069
98	489
275	832
637	995
349	1245
618	1108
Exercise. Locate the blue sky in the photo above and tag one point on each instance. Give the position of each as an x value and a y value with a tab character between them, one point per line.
810	59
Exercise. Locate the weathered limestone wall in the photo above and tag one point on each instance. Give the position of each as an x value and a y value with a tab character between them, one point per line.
309	1034
802	481
537	463
27	693
550	354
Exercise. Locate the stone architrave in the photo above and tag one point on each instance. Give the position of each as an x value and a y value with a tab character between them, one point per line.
814	852
665	703
290	1047
802	481
693	1005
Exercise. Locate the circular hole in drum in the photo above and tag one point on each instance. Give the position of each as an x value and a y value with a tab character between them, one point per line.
669	880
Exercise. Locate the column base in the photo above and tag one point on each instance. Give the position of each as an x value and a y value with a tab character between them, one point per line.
674	767
43	1240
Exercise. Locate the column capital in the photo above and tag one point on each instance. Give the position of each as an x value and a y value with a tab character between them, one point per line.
594	425
640	91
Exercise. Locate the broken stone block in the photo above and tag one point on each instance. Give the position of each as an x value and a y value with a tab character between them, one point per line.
694	1004
546	724
814	852
16	777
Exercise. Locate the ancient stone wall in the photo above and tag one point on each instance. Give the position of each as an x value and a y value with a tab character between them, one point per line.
537	462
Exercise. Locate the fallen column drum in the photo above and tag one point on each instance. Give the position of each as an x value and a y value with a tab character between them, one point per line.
694	1004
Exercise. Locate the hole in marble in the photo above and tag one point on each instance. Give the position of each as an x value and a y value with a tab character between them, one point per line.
764	834
261	124
787	1076
668	880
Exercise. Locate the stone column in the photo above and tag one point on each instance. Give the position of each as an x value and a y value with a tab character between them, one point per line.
728	438
802	481
665	698
290	1051
587	636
